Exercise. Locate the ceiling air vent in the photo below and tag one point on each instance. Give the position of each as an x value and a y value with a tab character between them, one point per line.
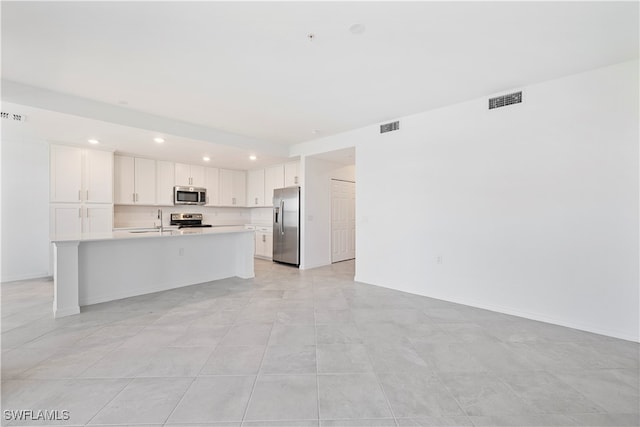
388	127
13	117
504	100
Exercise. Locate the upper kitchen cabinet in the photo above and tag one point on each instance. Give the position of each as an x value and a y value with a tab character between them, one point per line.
273	178
212	184
255	188
165	180
291	174
233	187
80	175
192	175
135	181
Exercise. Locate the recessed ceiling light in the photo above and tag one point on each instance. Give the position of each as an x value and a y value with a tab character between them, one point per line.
159	140
252	157
206	159
94	141
357	29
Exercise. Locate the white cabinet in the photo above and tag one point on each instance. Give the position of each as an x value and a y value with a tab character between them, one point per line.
98	173
233	187
273	178
264	242
81	191
75	218
66	219
80	176
256	188
165	180
97	218
291	174
135	181
190	175
212	184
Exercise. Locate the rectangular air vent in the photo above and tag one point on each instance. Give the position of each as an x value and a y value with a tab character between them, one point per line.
504	100
13	117
388	127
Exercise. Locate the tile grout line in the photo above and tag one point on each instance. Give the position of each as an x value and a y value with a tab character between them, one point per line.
384	393
315	330
110	400
255	381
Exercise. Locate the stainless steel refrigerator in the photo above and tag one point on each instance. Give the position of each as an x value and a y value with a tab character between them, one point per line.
286	225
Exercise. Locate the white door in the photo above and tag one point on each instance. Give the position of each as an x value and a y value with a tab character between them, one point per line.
343	220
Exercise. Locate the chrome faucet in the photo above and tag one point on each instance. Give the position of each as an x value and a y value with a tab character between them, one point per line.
160	218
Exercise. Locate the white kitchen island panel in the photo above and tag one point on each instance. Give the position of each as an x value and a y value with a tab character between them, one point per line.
90	269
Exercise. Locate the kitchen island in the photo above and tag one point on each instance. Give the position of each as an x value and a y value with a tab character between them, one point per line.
95	268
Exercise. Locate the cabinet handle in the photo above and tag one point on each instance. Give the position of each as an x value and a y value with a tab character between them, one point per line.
79	194
233	201
295	179
87	195
256	200
264	237
79	212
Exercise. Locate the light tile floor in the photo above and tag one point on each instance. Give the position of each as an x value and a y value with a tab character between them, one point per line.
306	348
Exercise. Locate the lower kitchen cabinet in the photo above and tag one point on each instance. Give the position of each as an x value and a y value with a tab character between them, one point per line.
264	242
70	219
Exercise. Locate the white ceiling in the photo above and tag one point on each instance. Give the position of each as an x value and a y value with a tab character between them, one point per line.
250	69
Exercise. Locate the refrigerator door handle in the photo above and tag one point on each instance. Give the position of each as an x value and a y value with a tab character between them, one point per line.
282	217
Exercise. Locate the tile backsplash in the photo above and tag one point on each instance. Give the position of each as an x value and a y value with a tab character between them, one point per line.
147	216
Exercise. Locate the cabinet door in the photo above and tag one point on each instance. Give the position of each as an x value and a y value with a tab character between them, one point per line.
98	219
239	188
258	245
233	189
255	188
183	174
212	184
165	178
291	174
145	181
66	174
197	176
124	179
98	176
268	245
226	187
273	178
66	220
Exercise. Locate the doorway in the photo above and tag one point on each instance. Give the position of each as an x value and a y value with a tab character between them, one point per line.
343	220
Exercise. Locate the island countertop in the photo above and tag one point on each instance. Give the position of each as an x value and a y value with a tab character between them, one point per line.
145	233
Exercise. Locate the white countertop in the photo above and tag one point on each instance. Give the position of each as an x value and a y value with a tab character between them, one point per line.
146	233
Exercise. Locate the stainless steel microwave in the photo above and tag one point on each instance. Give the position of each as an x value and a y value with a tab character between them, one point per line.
189	195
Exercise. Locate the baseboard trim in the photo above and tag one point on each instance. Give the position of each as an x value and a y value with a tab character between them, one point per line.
21	277
523	314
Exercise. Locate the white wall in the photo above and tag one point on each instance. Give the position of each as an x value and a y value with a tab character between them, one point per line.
25	208
533	207
316	213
